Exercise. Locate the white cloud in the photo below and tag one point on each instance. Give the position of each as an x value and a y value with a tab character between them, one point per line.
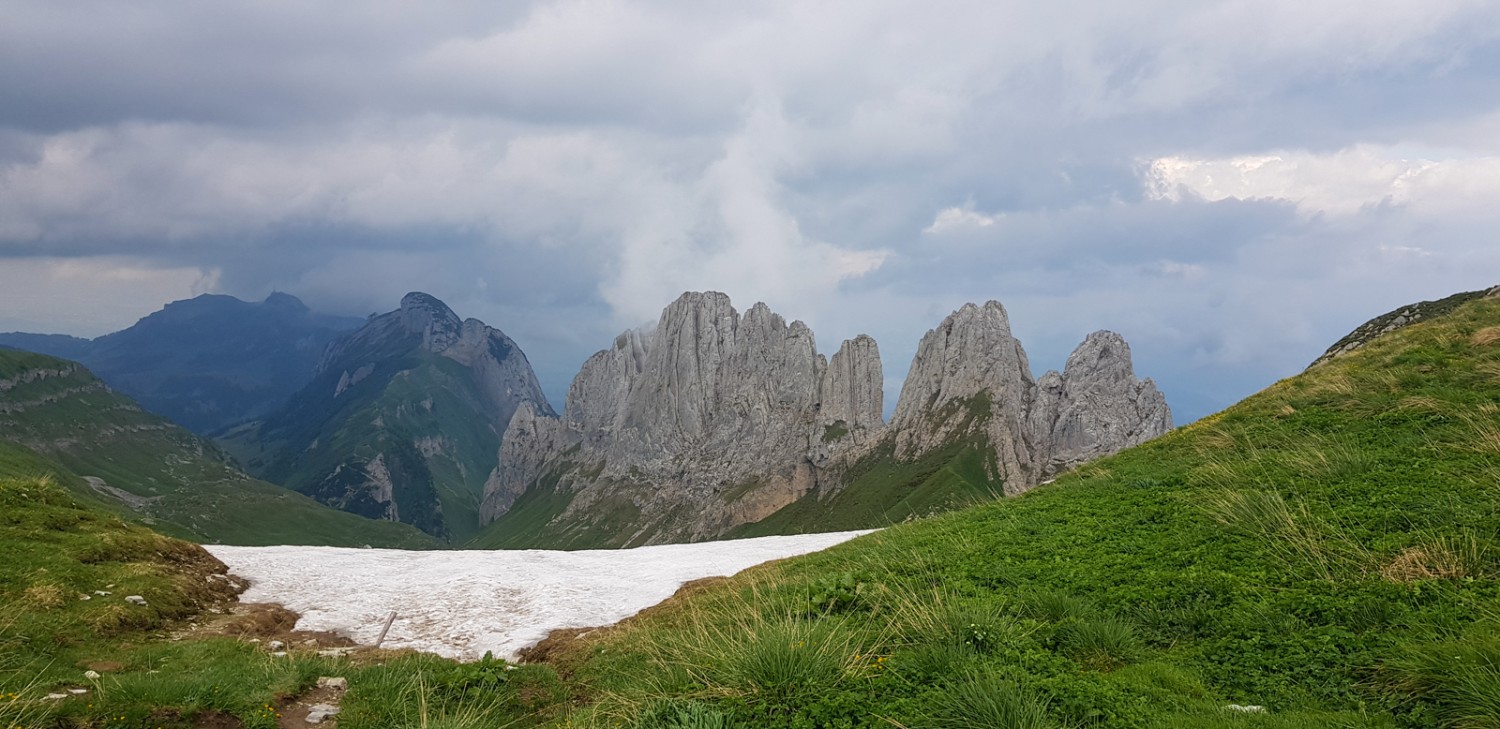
959	219
1341	182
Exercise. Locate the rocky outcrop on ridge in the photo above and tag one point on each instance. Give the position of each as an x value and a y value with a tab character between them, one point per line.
723	414
1402	317
714	420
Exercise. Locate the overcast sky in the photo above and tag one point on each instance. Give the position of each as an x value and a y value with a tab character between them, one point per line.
1230	185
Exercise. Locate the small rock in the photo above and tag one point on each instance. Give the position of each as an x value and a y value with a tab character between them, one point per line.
338	684
135	600
91	675
255	640
82	596
78	691
56	697
279	654
1247	709
335	652
275	645
101	592
319	712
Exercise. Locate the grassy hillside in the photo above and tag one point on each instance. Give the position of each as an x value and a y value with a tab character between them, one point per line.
67	626
57	418
1327	550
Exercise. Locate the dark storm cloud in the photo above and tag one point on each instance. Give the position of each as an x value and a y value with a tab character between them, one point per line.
1228	184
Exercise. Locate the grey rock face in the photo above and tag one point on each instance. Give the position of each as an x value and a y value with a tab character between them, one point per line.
969	373
970	377
711	411
1095	407
853	386
713	420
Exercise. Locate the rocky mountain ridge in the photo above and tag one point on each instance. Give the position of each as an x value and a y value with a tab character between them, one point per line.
713	420
402	419
710	411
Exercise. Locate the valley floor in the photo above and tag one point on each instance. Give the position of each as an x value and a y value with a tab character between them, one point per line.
462	604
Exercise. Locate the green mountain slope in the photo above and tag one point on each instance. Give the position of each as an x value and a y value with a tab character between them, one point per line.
1327	550
402	421
56	417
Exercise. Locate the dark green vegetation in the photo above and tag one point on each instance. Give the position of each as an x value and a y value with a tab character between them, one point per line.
56	418
206	363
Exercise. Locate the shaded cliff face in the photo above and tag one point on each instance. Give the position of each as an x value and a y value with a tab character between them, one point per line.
710	420
715	423
402	420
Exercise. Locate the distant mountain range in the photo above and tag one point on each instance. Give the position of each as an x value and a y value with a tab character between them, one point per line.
713	423
208	362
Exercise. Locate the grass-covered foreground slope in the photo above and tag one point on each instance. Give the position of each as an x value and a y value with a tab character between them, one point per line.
1327	550
57	418
67	625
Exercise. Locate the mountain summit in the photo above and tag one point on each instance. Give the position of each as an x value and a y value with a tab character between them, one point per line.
715	424
402	420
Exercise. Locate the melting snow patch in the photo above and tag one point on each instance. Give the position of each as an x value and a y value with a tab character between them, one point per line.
461	604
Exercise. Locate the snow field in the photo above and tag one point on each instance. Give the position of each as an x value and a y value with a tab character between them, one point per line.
461	604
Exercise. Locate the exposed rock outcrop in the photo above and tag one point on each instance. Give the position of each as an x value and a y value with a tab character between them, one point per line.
970	377
712	412
715	420
1095	407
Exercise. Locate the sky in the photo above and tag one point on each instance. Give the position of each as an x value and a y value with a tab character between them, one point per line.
1232	185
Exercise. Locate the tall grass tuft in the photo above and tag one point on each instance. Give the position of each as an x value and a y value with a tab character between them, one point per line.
984	701
680	714
774	659
1461	678
1100	644
1292	533
1485	337
1465	554
1055	607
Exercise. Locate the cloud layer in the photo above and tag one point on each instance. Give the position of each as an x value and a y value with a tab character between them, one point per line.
1231	184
